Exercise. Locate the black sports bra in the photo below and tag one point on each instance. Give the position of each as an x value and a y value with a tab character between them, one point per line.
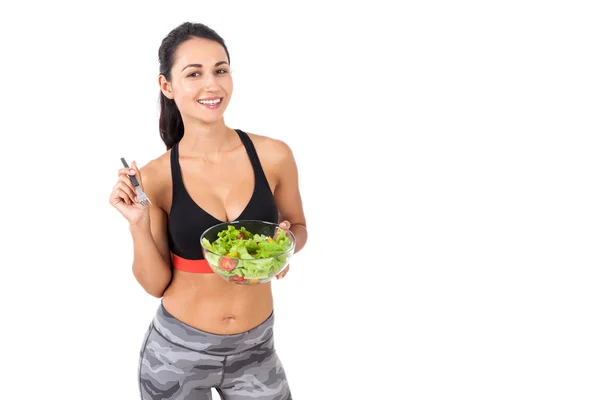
187	221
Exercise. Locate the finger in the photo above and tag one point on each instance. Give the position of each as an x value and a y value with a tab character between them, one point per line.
283	273
119	197
127	182
125	174
284	224
138	173
122	185
127	171
121	193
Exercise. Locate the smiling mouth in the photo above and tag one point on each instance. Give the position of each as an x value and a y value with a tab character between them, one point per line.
211	102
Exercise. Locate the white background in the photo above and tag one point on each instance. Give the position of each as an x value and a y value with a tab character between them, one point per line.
448	160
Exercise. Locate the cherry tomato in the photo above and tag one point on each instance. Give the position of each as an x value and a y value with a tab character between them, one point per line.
227	264
236	278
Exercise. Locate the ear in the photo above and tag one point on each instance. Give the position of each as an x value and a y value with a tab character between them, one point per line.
165	87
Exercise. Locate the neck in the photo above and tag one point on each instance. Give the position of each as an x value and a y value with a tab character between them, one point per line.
200	138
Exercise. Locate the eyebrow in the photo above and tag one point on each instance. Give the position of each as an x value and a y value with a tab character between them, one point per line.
200	65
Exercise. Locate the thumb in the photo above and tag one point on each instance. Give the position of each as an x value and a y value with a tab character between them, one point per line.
284	224
138	174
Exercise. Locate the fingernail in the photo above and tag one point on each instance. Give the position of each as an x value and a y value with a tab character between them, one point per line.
132	171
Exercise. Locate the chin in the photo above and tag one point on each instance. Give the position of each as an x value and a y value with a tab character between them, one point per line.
209	119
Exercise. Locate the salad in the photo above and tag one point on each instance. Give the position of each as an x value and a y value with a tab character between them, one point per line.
241	255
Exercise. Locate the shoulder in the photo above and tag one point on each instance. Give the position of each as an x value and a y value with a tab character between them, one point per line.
157	173
271	150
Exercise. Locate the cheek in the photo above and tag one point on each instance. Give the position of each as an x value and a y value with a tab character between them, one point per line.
227	85
183	95
183	88
187	90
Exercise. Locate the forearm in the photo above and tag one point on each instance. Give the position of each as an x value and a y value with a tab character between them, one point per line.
301	234
150	269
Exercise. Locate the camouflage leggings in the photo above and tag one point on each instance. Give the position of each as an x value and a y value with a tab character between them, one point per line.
179	362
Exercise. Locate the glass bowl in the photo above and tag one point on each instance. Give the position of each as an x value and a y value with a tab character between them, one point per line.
247	251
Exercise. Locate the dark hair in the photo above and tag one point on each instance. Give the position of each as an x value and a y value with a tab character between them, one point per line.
170	123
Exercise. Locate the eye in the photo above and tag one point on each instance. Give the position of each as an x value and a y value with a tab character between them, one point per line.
222	71
194	75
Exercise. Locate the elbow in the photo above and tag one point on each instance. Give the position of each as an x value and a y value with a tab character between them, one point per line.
154	290
155	293
153	285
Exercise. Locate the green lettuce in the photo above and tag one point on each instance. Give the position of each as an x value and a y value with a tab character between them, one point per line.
249	256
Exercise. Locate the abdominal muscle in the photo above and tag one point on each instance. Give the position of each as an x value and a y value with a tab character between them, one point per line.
211	304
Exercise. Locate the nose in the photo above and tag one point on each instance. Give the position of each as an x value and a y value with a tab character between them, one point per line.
209	83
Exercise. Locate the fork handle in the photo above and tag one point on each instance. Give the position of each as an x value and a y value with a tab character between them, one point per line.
131	177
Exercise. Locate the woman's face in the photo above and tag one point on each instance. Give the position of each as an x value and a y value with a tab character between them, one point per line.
201	83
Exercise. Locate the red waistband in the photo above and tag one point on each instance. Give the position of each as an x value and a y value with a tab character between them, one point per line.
197	266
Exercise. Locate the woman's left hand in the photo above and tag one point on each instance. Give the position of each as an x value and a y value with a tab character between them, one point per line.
284	225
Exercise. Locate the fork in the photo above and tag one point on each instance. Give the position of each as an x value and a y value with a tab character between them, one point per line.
142	197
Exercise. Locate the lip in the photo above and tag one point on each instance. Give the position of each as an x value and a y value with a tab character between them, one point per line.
211	106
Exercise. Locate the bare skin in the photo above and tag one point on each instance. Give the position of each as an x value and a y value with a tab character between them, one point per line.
218	175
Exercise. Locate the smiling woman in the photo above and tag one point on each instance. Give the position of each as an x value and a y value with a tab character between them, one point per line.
207	332
183	74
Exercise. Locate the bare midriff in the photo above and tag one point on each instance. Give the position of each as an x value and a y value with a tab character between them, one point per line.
212	304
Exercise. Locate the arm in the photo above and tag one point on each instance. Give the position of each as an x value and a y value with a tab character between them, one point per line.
287	193
151	255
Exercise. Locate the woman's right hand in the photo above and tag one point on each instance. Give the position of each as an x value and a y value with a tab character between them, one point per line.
123	196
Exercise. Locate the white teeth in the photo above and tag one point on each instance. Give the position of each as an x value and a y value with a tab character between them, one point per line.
210	102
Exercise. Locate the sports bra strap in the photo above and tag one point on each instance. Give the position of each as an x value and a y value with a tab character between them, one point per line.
259	173
176	169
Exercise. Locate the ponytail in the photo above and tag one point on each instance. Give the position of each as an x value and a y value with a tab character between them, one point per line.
170	123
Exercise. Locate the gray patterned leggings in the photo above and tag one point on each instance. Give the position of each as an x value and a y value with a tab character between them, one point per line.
179	362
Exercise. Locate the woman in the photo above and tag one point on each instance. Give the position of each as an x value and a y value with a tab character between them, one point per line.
207	332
